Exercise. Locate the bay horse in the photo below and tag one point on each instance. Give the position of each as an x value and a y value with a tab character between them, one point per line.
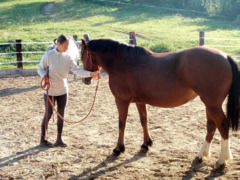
137	75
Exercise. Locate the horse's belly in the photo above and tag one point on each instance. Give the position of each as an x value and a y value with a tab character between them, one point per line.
168	99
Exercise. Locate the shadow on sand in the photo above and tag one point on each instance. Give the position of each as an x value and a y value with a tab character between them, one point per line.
21	155
105	165
196	167
12	91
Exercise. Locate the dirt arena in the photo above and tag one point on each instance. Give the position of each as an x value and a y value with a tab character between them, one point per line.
177	135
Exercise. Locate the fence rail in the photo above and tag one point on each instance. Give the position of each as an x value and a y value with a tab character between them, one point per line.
220	39
14	43
227	46
14	62
24	52
202	39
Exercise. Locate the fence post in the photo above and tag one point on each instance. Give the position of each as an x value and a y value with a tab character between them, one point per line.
75	38
19	54
201	38
132	38
86	37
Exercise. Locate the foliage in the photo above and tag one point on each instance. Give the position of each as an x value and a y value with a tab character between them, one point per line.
237	20
224	8
159	46
227	8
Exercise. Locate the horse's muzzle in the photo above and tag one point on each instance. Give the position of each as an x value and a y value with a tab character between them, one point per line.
87	80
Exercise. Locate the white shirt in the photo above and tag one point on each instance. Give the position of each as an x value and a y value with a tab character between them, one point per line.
59	66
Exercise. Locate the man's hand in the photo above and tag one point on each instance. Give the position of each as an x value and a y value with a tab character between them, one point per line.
95	74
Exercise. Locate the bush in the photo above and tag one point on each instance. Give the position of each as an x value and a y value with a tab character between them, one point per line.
162	47
157	47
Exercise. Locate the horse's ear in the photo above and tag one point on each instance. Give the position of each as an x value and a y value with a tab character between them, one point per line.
84	44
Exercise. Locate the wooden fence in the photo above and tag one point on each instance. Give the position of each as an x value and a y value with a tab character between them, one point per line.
203	38
19	53
132	40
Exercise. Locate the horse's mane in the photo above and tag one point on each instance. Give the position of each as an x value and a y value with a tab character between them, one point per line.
115	47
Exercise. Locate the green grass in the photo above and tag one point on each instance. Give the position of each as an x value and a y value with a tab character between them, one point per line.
156	28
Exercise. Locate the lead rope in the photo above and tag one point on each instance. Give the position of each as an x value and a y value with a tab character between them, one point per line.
46	87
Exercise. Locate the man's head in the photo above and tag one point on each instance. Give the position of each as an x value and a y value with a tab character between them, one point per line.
62	43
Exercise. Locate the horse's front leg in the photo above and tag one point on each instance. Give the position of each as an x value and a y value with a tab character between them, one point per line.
122	107
143	118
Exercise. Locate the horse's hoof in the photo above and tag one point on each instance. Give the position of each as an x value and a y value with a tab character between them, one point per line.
144	148
116	152
149	143
86	81
122	148
219	165
197	160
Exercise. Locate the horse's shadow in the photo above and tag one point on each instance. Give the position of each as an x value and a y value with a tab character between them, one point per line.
106	169
196	166
216	173
21	155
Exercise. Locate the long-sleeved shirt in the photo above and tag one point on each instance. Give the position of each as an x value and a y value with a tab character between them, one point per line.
59	66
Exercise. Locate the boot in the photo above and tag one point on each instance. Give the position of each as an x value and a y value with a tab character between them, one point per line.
45	143
59	141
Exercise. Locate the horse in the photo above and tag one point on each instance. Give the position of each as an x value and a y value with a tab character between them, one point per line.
138	75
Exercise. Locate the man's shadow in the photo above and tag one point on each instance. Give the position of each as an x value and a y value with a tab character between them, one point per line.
104	164
5	161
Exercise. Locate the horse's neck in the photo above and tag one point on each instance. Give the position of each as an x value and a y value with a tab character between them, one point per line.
106	62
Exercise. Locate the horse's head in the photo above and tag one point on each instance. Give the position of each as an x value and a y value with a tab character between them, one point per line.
88	60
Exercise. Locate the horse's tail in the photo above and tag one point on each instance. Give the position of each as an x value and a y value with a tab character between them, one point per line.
233	105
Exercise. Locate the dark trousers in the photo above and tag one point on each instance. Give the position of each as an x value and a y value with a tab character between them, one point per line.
61	104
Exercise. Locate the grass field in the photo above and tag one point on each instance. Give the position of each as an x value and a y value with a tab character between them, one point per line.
156	28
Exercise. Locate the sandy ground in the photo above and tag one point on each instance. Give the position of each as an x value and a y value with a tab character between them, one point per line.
177	135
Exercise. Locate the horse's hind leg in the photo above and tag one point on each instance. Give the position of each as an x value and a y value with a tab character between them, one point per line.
143	118
122	107
217	115
223	127
205	149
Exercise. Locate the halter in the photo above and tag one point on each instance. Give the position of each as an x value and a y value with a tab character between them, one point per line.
89	58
